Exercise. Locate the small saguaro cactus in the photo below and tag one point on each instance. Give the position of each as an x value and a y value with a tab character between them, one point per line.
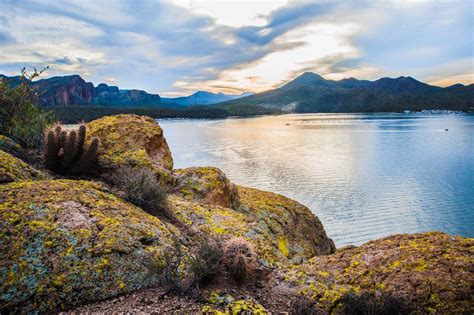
64	152
239	259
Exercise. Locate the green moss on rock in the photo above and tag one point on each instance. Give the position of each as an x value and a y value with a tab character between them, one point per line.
432	271
13	169
205	184
64	242
131	140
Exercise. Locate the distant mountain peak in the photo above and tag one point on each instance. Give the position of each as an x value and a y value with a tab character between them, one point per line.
306	79
310	76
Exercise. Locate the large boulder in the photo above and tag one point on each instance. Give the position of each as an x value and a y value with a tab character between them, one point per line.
64	242
131	140
281	230
432	272
13	169
205	184
295	231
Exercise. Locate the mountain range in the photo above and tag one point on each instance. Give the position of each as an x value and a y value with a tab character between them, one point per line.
307	93
312	93
203	98
73	90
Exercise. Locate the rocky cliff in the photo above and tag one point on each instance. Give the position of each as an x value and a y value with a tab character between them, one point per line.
65	242
73	91
65	91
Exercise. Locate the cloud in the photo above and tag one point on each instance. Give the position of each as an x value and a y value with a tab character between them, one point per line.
168	48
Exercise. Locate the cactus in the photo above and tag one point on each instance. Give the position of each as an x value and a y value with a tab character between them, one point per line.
81	139
51	151
64	151
239	259
86	162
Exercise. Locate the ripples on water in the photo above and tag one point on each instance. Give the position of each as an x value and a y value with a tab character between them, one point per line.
364	176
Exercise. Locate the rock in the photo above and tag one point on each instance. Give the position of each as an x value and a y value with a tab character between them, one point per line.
131	140
206	184
280	229
65	242
433	272
9	146
237	307
296	232
13	169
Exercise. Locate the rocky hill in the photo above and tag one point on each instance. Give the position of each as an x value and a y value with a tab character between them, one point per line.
75	243
73	90
312	93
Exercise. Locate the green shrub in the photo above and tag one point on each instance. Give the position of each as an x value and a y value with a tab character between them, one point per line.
141	187
20	117
206	259
239	259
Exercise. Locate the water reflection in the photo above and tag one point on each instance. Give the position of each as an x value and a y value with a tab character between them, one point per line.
365	176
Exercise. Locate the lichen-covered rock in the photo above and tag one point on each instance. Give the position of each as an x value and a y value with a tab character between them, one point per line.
280	229
131	140
237	307
63	242
220	303
13	169
433	272
295	231
206	184
10	146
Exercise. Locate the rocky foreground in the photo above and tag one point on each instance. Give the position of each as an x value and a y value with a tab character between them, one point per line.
70	244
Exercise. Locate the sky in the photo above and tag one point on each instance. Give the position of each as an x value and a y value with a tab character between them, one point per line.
175	48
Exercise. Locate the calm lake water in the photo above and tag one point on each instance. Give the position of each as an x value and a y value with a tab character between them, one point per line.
364	176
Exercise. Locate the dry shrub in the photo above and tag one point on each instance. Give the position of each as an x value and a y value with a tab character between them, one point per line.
368	303
141	187
304	306
206	259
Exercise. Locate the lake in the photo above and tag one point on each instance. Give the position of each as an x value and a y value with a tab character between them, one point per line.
364	175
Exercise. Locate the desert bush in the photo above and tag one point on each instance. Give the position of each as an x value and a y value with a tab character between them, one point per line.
239	259
206	259
303	306
20	117
368	303
65	153
167	267
141	187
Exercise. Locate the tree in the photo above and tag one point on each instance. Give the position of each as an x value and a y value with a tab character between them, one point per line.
20	117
